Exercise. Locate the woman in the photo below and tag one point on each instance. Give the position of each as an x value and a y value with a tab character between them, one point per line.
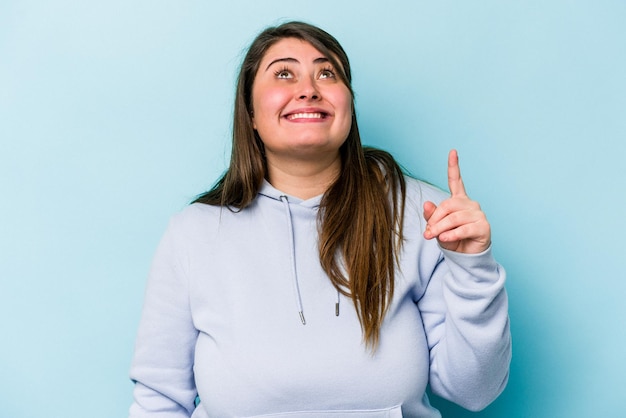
314	279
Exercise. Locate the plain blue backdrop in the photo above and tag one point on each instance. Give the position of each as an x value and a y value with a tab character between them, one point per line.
114	114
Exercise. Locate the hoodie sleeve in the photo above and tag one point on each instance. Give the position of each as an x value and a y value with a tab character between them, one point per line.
465	313
162	367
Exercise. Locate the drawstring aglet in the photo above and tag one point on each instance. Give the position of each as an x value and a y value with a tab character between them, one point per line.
302	318
337	309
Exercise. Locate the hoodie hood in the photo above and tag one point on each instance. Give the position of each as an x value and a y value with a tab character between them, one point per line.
270	191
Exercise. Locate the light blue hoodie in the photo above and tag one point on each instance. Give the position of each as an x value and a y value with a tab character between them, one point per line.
239	312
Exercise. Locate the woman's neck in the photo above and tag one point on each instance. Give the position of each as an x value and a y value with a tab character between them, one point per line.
303	178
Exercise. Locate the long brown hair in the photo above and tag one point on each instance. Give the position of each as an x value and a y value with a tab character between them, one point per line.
361	214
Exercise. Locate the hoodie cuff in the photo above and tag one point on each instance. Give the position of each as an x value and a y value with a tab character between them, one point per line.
473	269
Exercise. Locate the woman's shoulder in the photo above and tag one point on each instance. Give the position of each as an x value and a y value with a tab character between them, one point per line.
420	191
195	220
195	212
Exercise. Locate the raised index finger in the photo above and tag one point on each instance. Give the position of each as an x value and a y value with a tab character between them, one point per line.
455	183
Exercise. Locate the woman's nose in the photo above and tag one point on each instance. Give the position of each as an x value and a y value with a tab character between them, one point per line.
307	89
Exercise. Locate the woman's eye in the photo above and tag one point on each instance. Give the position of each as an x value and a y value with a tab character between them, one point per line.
283	74
327	74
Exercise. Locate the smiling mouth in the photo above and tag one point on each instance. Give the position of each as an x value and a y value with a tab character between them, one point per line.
312	115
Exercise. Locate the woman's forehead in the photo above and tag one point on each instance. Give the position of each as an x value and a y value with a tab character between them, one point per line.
292	48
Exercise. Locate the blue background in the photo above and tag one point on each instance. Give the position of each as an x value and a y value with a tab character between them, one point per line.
113	115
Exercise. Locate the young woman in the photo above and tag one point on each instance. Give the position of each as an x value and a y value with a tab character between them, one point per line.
314	279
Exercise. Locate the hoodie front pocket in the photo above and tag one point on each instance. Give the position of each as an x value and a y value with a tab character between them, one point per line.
394	412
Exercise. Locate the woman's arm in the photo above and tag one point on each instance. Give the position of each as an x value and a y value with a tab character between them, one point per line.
465	314
465	307
162	367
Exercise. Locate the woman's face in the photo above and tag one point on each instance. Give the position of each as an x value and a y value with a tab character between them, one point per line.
301	108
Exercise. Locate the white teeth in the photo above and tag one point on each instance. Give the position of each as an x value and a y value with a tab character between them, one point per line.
305	116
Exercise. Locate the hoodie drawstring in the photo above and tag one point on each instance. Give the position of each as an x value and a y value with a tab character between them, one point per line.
292	256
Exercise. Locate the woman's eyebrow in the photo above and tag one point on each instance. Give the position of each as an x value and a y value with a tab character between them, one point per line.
289	59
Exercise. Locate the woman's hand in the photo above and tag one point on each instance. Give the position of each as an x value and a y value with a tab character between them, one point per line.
458	223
